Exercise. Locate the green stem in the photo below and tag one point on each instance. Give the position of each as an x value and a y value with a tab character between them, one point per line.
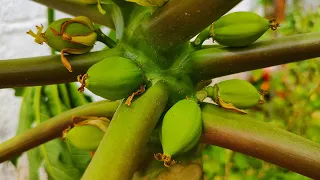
105	39
178	21
90	11
122	147
51	18
261	140
48	69
219	61
53	128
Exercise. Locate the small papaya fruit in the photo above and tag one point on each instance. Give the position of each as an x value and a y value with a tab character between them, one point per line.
73	36
234	94
112	78
181	130
87	135
240	29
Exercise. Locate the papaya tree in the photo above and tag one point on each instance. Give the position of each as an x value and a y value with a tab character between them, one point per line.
154	121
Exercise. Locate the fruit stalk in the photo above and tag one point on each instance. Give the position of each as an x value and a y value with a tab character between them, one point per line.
119	152
219	61
48	69
249	136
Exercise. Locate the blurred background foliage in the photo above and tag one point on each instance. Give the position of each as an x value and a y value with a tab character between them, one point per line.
293	98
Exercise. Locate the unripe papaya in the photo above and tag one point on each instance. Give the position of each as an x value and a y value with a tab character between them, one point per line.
236	92
73	36
181	129
86	135
59	43
113	78
240	29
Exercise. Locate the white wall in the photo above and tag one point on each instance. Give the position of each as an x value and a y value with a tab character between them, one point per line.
16	18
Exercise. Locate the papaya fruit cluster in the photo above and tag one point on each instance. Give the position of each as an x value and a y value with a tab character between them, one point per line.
182	124
238	29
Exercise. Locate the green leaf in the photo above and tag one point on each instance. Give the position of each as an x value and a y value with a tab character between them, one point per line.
64	96
35	159
58	162
54	102
240	161
77	98
26	116
18	91
80	158
112	34
141	2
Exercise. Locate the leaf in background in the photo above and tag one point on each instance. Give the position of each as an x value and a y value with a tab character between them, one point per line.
54	102
64	96
26	116
141	2
77	98
112	34
35	159
81	158
58	162
18	91
240	161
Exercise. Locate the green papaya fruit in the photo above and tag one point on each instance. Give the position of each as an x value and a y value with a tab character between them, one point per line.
113	78
72	36
236	92
240	29
87	135
181	129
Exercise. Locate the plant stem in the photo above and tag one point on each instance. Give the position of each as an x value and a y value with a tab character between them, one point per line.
51	17
53	128
90	11
125	140
48	69
105	39
215	62
261	140
178	21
